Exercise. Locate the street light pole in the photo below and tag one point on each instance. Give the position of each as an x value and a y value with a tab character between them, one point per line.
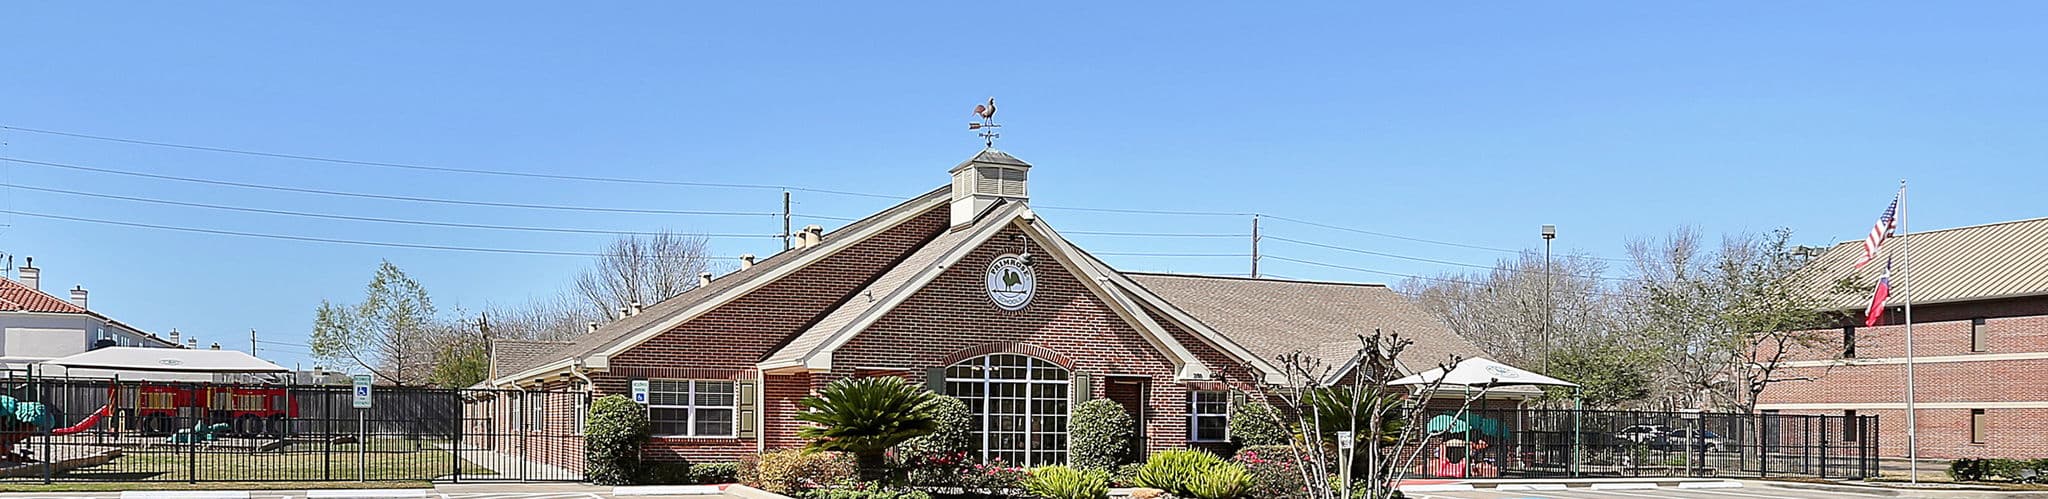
1549	233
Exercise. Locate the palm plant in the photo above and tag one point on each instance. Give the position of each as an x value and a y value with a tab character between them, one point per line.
867	416
1341	408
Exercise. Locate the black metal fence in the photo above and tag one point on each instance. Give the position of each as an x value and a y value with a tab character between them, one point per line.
218	432
1542	442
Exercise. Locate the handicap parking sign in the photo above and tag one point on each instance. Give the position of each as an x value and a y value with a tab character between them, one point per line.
362	395
640	391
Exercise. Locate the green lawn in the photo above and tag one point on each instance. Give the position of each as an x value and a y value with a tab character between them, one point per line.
382	460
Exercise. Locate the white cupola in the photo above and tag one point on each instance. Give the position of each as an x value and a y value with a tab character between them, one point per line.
989	176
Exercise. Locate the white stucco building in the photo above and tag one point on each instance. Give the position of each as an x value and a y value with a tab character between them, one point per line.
37	325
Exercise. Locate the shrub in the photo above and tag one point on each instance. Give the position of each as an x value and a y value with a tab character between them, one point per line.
1227	481
1257	423
862	491
1099	435
612	439
868	416
794	470
990	476
1274	471
1125	475
948	443
1060	482
714	473
1175	470
1967	470
665	473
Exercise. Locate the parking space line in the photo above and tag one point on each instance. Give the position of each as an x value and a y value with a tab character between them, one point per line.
1803	492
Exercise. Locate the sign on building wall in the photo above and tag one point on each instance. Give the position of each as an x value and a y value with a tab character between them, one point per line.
640	391
362	391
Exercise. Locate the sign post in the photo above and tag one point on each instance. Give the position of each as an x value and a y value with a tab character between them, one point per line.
640	391
362	403
1345	442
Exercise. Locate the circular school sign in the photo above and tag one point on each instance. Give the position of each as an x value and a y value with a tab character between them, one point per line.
1010	282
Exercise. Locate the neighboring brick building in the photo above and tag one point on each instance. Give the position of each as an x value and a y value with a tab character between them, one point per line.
1980	345
966	290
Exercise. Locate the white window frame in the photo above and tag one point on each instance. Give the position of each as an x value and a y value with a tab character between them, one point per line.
1031	450
1195	416
537	412
690	407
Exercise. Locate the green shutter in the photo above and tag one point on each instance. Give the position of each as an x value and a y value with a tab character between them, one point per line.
1080	389
935	379
748	398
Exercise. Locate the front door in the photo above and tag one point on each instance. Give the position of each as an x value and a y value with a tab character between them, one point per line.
1132	392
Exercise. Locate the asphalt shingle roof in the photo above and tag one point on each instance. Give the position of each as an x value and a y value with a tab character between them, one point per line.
1273	318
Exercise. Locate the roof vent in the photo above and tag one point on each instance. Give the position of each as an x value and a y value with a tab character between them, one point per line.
174	337
813	234
746	261
982	180
703	279
593	327
636	307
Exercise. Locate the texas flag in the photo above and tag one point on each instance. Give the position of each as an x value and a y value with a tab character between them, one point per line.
1884	290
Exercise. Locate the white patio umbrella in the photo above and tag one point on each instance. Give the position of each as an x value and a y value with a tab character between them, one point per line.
1479	372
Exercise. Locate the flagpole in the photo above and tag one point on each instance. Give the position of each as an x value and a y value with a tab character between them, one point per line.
1906	293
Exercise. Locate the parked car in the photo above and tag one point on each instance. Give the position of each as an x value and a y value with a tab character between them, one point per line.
1675	440
1649	434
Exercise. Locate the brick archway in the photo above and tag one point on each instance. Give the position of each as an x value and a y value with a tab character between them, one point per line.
1019	348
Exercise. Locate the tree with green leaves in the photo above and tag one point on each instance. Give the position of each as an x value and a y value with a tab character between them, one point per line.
390	334
866	417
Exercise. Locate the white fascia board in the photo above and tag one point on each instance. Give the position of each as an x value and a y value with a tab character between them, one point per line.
1103	281
831	247
820	359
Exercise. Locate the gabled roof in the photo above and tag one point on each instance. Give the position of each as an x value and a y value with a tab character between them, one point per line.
1322	320
2000	260
18	297
813	348
510	355
621	334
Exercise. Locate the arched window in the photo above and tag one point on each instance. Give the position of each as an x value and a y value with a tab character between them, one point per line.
1019	405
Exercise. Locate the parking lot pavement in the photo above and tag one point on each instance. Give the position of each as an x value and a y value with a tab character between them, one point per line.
365	494
1749	490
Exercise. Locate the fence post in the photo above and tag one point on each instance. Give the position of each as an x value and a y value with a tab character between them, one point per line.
455	438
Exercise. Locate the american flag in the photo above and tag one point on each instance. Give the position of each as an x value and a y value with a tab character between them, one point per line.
1879	232
1884	290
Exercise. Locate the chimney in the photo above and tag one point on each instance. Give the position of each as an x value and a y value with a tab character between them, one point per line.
192	343
746	261
981	181
704	279
78	297
813	234
30	275
174	337
216	345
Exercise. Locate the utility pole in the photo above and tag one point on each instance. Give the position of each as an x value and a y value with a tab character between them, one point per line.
786	242
1255	246
1549	233
252	343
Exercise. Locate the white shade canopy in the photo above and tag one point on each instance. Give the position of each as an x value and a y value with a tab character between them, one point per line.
168	360
1481	373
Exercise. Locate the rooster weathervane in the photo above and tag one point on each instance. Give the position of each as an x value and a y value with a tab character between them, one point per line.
987	125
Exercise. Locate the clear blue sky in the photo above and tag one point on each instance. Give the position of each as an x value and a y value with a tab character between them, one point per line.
1468	123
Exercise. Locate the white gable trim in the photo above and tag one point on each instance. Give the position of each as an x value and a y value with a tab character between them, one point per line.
1186	365
600	360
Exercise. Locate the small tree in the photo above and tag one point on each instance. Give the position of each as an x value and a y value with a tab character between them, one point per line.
1099	436
868	416
390	334
1257	423
954	436
612	440
1373	404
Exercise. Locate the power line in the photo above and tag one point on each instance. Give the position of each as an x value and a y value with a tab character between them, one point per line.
1176	255
444	169
1440	262
384	196
1149	234
306	238
1147	212
358	218
1413	276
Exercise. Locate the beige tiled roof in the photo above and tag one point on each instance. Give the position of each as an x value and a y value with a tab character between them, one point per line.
510	356
613	333
1998	260
1273	317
